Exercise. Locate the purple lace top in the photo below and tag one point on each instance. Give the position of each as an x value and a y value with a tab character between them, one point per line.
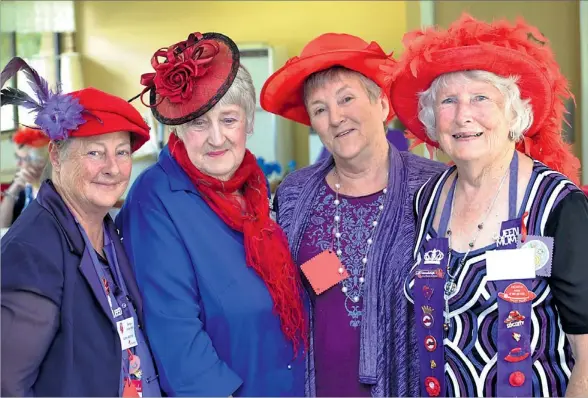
337	318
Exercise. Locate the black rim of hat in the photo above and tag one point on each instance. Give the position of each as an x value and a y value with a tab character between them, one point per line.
214	99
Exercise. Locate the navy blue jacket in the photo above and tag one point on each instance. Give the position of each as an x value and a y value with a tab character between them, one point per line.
44	253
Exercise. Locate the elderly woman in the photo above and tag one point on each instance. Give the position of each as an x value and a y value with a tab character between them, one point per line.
71	311
31	158
349	218
500	284
223	303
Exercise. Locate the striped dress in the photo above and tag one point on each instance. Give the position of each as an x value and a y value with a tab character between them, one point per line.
470	343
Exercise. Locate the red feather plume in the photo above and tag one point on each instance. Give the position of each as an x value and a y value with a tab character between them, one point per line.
545	143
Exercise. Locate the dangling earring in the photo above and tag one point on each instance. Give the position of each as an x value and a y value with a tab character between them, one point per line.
511	136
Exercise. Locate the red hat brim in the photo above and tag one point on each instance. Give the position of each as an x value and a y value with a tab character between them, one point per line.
106	114
283	92
533	82
208	89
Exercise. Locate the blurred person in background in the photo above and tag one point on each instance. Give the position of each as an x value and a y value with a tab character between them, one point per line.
31	159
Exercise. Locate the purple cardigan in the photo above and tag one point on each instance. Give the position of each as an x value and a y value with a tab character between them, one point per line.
388	352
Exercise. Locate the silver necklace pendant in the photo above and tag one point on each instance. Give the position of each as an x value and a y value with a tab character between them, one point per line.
450	287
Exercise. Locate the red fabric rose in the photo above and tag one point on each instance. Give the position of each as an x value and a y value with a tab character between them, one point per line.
176	81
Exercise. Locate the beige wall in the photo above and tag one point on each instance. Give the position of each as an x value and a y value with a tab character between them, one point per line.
118	38
558	20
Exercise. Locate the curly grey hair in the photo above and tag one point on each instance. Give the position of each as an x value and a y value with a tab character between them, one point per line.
241	93
521	109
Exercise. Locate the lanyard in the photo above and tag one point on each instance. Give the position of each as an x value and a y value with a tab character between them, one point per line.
122	299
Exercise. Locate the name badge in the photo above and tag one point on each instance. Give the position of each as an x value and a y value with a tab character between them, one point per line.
543	247
126	332
510	264
324	271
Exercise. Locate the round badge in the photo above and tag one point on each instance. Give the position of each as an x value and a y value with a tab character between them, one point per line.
134	364
516	379
432	386
428	320
430	343
541	252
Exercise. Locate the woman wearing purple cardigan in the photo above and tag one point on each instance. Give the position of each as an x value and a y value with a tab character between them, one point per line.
349	218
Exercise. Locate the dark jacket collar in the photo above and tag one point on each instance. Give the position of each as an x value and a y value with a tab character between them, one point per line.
50	200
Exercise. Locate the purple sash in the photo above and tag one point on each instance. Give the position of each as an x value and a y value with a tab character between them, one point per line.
515	299
428	304
514	360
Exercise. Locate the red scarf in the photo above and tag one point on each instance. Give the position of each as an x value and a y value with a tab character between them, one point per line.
266	246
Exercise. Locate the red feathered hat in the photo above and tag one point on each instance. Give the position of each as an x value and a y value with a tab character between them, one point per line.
193	76
30	137
282	93
105	113
82	113
505	50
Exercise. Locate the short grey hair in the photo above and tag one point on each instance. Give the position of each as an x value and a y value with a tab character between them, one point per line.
241	93
320	78
521	109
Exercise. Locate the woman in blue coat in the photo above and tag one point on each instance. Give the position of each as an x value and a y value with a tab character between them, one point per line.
222	298
71	310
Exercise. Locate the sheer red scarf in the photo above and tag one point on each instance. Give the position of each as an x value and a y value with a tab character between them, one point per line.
266	246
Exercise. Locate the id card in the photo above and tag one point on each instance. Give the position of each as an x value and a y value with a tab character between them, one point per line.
324	271
126	332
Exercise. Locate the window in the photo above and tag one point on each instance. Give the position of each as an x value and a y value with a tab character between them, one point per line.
41	51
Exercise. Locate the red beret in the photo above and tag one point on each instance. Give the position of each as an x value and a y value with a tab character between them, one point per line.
106	113
30	137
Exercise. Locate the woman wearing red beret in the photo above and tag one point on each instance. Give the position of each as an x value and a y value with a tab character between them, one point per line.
71	311
31	154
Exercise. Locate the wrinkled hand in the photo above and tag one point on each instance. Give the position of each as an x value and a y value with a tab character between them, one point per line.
22	177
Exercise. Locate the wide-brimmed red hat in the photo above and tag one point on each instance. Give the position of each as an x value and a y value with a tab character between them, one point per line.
192	77
282	93
33	138
82	113
504	49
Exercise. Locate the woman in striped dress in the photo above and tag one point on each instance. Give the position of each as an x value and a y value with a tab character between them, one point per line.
500	281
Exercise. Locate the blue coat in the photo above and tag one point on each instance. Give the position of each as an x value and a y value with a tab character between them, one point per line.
44	253
208	315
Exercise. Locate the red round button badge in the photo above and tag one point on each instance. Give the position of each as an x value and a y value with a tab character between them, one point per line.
432	386
516	379
430	343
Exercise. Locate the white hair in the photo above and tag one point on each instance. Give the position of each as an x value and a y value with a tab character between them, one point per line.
241	93
320	78
521	109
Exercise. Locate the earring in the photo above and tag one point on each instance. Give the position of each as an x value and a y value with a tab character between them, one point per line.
511	136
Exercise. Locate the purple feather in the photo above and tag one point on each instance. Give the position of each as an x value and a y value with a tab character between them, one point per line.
60	115
37	83
14	96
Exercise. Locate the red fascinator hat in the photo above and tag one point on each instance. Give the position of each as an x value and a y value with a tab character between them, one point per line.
504	49
190	77
81	113
283	92
30	137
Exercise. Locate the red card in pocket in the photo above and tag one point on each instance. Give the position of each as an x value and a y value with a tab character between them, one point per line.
322	271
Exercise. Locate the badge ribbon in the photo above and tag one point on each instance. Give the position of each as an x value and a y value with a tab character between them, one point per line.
428	309
515	299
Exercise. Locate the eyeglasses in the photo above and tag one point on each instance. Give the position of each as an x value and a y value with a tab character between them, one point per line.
29	158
